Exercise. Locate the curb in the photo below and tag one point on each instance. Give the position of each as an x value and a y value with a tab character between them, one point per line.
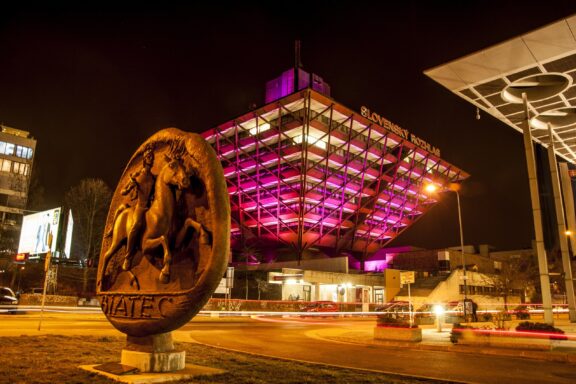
553	356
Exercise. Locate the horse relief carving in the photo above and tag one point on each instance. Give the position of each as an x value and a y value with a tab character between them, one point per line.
166	242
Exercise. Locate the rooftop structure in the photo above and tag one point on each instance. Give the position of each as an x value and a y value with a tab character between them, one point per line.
304	172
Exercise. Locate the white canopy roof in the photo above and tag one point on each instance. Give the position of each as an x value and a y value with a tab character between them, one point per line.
481	78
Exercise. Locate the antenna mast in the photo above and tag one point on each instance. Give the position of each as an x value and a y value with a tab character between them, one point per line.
297	64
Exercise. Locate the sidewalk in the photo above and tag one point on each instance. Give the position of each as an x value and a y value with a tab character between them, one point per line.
562	350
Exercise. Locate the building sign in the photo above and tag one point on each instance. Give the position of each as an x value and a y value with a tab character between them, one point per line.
398	130
36	230
69	230
407	277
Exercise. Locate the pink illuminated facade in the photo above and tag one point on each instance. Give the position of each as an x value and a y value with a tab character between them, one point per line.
305	172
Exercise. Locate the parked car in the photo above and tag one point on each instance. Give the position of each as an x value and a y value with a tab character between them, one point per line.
453	312
395	307
7	296
321	306
397	310
452	308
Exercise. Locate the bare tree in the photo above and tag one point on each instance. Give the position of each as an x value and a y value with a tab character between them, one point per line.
263	286
89	201
249	254
36	201
516	274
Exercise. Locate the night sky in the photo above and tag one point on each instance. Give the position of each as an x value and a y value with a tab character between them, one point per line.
91	84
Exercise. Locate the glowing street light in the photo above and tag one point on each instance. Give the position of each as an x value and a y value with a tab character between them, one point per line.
439	312
430	188
454	187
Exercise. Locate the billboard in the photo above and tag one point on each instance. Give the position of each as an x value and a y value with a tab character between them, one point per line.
36	229
68	240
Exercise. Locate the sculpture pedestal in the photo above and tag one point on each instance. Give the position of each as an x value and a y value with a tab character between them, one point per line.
153	353
154	362
189	373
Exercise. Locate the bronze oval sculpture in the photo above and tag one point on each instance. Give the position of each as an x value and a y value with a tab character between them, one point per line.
167	235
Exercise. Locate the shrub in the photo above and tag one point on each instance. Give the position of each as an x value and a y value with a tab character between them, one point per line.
527	326
457	332
391	321
522	314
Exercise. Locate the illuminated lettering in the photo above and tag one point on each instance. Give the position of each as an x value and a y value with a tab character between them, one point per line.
398	130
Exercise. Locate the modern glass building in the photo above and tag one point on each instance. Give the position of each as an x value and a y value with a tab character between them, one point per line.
307	174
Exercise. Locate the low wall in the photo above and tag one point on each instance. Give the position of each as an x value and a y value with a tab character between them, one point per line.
217	304
36	299
503	340
397	334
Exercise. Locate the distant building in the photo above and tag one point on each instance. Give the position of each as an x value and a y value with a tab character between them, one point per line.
440	276
17	149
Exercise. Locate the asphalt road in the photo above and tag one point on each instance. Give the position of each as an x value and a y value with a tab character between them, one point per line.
308	341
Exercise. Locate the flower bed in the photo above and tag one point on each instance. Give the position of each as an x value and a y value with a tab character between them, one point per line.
526	336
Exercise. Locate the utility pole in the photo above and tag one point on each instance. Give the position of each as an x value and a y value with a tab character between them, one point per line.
46	271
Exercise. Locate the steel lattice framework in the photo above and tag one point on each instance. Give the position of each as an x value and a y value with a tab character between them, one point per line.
307	171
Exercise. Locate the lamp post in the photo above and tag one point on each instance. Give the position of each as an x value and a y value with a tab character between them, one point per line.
432	188
439	311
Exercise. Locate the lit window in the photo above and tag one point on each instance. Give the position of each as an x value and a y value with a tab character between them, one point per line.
6	165
2	146
260	128
9	150
23	152
20	168
497	266
311	140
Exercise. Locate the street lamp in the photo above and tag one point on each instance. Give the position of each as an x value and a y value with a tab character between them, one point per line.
454	187
439	312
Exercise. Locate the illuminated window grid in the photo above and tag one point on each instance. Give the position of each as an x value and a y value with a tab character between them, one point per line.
307	171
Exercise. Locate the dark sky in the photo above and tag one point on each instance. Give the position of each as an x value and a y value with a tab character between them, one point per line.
92	83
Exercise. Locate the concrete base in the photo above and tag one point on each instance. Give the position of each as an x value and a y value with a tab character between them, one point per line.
190	371
154	361
475	338
398	334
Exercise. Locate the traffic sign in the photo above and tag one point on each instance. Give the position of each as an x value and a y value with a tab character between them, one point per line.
407	277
